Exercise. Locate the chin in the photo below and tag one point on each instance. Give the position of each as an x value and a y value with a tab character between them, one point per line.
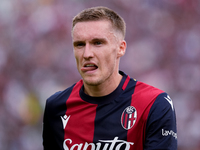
91	82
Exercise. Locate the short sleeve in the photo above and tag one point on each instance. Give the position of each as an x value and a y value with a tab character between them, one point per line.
161	130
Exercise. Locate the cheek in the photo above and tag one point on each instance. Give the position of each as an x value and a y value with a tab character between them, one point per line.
78	63
110	60
112	56
77	60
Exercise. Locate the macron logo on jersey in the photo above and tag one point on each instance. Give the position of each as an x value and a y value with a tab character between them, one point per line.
170	101
65	119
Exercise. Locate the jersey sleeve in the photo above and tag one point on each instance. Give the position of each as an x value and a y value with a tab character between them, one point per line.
48	136
161	131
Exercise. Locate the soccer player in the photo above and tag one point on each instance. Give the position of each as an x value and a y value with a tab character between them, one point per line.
106	109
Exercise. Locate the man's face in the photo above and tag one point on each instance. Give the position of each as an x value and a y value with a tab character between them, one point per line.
96	49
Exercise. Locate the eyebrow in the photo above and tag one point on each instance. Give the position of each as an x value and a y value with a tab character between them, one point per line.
99	39
93	40
76	42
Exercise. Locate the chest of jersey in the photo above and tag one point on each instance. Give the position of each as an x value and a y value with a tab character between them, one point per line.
119	124
124	120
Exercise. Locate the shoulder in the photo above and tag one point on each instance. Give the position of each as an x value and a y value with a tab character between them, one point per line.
149	90
163	101
53	98
141	93
145	93
60	97
162	109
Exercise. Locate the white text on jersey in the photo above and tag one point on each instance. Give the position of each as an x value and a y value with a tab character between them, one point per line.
168	133
97	146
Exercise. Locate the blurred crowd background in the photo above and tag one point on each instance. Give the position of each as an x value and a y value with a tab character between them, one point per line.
36	60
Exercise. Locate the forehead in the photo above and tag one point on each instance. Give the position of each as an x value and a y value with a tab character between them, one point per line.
92	29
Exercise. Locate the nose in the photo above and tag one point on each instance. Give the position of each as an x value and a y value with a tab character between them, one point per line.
88	53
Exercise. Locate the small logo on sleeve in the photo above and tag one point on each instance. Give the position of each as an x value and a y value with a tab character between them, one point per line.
128	117
170	101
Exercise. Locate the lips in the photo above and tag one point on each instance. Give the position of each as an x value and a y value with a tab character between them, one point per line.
89	67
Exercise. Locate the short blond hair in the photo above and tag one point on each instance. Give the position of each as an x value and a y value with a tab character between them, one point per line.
101	13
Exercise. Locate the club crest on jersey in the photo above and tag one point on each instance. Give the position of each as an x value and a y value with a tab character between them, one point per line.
128	117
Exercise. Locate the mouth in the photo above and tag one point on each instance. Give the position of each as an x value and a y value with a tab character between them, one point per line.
89	67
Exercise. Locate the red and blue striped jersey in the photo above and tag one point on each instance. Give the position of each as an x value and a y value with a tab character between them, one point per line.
135	116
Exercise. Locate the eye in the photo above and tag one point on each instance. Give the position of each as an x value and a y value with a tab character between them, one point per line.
79	44
97	43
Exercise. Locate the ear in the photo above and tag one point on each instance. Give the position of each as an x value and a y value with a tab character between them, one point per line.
122	48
